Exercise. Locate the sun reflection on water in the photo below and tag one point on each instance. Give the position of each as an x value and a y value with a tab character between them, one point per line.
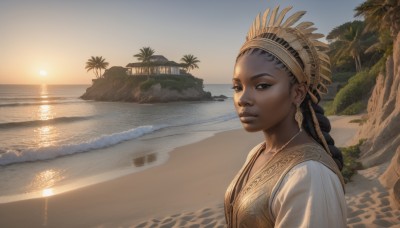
45	112
47	192
45	135
45	180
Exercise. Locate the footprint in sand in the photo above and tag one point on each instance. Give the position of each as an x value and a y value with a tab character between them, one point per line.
384	202
141	225
359	226
353	220
188	217
206	214
206	221
382	223
211	225
356	213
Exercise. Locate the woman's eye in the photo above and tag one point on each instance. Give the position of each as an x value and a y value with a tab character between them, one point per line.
263	86
236	88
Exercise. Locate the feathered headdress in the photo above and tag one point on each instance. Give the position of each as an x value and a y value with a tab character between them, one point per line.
280	36
270	32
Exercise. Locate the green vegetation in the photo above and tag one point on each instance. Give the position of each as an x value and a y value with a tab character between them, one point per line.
359	121
358	52
96	64
350	40
172	82
355	108
190	62
350	156
342	76
353	97
144	55
380	15
145	82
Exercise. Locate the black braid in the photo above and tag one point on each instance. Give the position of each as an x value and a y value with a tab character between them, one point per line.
307	124
324	125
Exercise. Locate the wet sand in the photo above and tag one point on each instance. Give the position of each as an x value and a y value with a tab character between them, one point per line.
188	190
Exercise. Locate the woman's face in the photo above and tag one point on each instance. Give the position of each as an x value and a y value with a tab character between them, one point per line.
261	93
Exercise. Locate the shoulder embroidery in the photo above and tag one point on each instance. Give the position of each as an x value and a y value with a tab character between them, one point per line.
279	163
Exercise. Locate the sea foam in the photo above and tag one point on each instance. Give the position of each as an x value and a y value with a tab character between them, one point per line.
33	123
8	157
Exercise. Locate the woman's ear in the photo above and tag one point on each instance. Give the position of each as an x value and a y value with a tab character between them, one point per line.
299	92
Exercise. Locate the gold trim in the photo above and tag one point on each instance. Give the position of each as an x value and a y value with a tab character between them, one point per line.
301	38
282	54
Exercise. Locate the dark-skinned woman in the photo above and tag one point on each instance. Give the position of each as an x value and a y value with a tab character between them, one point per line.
292	178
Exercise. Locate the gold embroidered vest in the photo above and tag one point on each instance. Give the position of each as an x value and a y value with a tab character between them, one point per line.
248	200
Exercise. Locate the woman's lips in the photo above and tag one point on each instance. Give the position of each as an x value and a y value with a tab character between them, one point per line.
247	117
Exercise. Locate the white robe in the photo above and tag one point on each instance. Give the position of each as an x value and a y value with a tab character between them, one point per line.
310	195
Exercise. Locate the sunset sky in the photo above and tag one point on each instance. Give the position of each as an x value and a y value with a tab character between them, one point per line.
50	41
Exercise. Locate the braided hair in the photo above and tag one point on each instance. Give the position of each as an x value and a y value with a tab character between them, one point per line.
307	124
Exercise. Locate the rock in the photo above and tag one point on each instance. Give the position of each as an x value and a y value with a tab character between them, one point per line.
382	129
391	177
219	98
147	89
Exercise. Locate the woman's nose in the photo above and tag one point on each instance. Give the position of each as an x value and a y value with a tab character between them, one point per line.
244	99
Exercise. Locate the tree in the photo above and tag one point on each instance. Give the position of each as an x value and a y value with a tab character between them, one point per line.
96	64
349	39
144	55
190	62
380	15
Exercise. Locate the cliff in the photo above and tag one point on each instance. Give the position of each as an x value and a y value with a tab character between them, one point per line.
116	85
382	128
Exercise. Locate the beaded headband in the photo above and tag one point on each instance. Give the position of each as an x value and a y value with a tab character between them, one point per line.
280	36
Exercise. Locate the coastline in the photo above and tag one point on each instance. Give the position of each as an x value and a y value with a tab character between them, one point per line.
158	191
186	190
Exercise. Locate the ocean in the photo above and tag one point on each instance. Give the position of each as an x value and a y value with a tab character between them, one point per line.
51	141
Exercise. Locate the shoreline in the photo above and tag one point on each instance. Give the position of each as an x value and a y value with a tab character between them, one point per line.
135	196
186	190
71	172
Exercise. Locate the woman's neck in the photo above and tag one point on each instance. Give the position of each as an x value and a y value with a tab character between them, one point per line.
279	135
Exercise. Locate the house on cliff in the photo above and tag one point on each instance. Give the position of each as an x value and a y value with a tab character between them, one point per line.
157	65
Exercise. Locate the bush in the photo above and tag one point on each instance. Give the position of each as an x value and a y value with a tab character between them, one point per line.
350	156
359	121
342	76
173	82
357	88
355	108
327	106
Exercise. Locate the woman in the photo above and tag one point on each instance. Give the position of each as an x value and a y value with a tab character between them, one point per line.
293	178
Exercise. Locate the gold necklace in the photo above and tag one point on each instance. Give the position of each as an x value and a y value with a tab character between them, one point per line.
286	142
232	201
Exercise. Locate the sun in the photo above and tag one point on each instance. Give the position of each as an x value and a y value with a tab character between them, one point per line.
43	73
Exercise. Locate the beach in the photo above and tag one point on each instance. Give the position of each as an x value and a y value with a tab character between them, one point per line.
187	191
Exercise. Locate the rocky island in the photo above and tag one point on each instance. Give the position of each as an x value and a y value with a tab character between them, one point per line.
153	80
117	85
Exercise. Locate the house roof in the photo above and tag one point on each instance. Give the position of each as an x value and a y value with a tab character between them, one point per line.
167	63
158	58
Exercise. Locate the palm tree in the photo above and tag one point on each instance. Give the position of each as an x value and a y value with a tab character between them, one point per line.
380	15
349	39
190	62
144	55
96	64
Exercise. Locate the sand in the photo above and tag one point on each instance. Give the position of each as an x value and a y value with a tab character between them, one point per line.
188	190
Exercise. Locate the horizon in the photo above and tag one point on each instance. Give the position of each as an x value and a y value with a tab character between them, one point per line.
50	42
